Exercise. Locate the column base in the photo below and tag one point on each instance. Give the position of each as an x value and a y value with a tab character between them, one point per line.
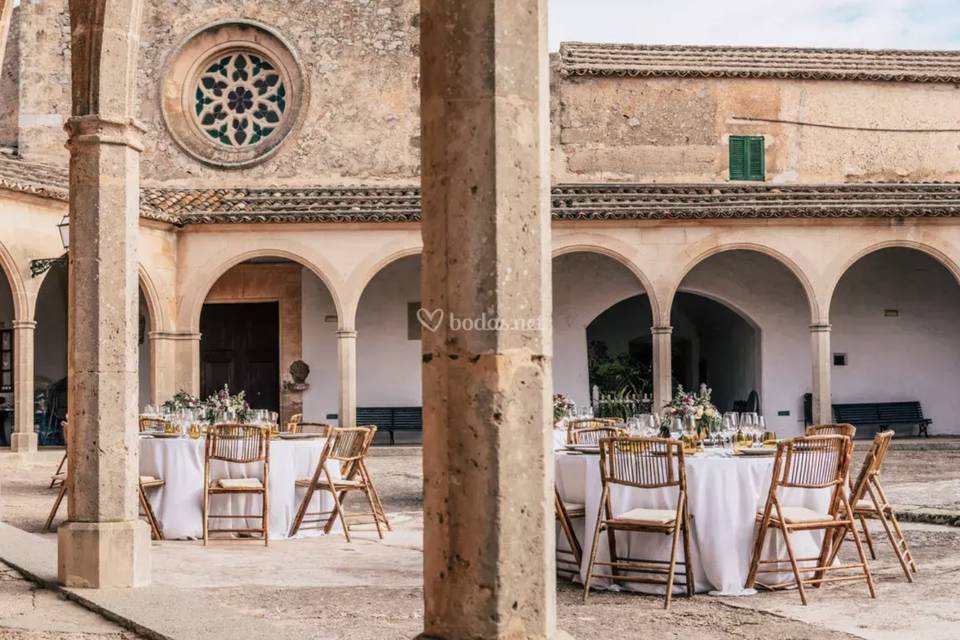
101	555
23	442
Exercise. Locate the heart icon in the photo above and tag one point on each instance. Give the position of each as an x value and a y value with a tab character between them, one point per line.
430	320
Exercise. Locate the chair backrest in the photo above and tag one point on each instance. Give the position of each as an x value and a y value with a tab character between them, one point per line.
593	435
842	429
647	463
293	425
346	444
321	428
871	464
811	462
149	423
242	443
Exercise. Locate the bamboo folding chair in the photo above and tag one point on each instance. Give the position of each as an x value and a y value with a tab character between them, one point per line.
588	423
593	435
60	474
643	463
568	562
148	423
808	463
63	480
143	483
237	444
293	425
870	501
345	446
319	428
842	429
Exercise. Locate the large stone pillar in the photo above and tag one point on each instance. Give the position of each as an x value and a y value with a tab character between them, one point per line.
24	437
488	511
662	366
822	364
347	377
104	543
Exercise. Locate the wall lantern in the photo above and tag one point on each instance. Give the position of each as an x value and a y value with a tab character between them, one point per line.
40	266
64	228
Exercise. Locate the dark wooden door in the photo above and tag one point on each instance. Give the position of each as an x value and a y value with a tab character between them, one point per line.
240	347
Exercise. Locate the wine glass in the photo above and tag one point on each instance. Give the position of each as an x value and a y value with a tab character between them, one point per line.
676	428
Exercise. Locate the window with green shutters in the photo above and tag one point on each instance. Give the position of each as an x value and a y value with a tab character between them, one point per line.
746	158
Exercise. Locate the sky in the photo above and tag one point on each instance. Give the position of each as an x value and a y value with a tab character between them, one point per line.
875	24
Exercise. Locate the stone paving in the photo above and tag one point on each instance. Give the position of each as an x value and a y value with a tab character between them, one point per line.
370	590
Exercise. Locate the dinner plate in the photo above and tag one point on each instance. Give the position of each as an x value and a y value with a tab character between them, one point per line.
160	434
299	436
763	451
583	448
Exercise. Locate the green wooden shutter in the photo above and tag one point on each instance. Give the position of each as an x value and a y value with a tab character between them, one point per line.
738	158
746	158
755	168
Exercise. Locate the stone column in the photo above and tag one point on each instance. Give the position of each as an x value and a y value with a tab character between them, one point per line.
347	377
488	473
24	437
104	543
822	364
662	366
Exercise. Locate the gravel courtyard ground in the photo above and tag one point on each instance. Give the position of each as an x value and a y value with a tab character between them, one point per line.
369	590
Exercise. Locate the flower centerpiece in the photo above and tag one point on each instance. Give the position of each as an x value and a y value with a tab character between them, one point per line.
181	400
696	404
222	401
562	407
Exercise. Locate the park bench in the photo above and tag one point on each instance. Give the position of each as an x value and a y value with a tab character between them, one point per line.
882	415
392	419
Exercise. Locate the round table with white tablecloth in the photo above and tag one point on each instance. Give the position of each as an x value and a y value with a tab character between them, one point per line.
724	495
178	505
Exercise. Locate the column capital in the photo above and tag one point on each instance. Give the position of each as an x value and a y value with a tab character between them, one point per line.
96	129
346	334
661	330
174	335
21	325
820	328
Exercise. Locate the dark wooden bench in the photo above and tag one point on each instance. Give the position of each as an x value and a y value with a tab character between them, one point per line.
882	415
392	419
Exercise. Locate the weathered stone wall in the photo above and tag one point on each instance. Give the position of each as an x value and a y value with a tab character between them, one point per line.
676	130
44	42
360	59
9	84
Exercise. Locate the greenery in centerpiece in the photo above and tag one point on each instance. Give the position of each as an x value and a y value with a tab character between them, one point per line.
209	409
696	404
562	407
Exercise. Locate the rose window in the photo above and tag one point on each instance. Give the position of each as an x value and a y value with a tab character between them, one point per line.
232	93
240	99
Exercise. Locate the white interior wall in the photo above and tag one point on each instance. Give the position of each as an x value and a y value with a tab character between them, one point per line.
319	348
766	292
914	356
388	362
584	285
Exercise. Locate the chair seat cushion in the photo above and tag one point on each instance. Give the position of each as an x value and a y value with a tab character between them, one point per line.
574	509
799	515
339	484
240	483
150	481
647	516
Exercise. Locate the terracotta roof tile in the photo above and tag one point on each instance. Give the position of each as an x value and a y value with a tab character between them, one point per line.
577	58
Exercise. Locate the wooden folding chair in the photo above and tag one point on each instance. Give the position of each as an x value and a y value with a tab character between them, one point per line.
237	444
345	447
293	425
568	562
577	424
643	463
149	423
60	474
842	429
63	480
319	428
813	463
870	502
364	471
593	435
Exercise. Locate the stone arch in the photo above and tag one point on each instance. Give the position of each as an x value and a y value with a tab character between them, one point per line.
783	259
158	319
365	273
942	258
190	316
619	258
22	310
734	307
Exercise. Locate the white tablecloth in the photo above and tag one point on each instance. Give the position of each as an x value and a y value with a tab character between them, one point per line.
178	505
724	495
